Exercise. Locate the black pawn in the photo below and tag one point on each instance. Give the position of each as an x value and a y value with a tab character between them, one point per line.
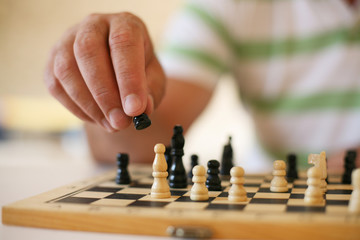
168	159
227	159
327	175
177	178
352	153
292	172
141	122
122	176
194	162
213	182
349	165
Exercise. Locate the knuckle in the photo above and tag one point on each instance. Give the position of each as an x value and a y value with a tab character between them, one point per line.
124	123
101	92
93	16
128	77
53	86
127	34
128	16
124	38
85	46
93	21
90	36
89	107
94	24
75	94
63	66
92	109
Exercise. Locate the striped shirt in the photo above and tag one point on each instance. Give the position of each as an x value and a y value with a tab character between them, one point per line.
296	62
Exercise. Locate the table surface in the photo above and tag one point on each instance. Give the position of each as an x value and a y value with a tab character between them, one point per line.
30	166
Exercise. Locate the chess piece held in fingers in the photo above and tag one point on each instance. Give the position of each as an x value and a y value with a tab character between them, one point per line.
141	122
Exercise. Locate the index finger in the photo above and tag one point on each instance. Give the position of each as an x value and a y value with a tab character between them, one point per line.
128	42
92	56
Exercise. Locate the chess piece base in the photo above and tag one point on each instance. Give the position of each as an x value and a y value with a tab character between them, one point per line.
160	195
237	199
312	201
199	197
279	189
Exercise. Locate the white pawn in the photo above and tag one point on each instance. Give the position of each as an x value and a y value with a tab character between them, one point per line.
314	193
354	203
237	192
279	183
160	187
199	191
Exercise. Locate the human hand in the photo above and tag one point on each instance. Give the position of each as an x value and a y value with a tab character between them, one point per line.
104	70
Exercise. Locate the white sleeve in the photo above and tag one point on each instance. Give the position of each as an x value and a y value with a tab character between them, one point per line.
193	50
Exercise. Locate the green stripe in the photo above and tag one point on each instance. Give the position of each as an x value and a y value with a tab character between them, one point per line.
216	25
322	101
293	46
278	47
203	57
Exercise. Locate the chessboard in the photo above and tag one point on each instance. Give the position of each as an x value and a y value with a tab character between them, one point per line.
101	205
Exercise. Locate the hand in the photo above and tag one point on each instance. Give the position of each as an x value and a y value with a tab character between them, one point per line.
104	70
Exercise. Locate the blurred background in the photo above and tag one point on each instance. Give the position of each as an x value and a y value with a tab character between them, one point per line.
42	146
36	126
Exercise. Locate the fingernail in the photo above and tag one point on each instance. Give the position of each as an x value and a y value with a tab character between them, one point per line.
107	125
115	116
132	104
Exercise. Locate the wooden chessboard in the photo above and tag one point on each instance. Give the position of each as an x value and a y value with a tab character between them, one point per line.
100	205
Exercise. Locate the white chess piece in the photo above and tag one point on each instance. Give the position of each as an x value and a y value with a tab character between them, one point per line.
199	192
354	203
323	169
160	187
314	193
319	161
279	183
237	192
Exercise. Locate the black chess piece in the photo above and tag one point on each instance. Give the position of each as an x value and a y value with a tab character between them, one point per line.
213	182
177	178
292	172
141	122
168	159
349	166
122	176
352	153
227	159
327	175
194	162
